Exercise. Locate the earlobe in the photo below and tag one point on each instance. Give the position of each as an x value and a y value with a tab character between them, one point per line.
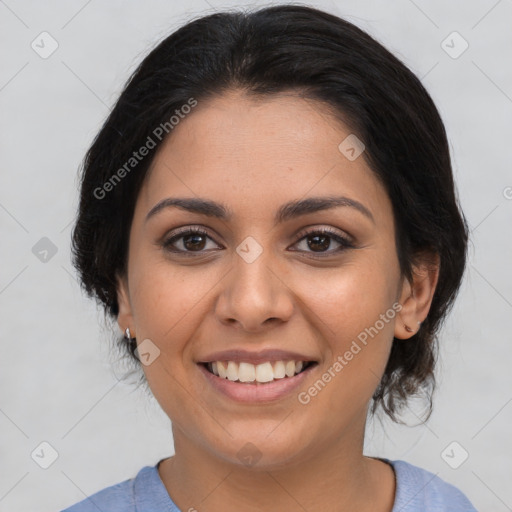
125	316
416	297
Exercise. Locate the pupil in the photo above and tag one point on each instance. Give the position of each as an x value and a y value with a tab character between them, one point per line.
324	244
196	242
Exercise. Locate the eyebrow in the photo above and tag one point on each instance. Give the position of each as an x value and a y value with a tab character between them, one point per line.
287	211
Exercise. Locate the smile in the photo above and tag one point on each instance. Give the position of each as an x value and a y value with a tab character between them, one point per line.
260	373
248	383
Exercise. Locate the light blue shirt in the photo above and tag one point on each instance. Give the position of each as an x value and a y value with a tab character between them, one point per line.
417	490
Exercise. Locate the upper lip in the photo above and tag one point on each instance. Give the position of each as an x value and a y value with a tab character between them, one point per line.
246	356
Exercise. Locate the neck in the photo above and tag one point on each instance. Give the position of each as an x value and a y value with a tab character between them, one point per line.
330	476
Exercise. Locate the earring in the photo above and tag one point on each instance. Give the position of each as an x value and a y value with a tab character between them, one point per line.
408	329
127	334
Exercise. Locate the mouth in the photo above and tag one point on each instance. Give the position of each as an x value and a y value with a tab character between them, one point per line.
257	374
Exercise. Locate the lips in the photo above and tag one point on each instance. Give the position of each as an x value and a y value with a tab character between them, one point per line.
256	376
254	391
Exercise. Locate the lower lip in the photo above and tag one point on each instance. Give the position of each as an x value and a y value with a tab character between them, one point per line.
256	392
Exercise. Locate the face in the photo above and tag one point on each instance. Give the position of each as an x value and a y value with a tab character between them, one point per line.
263	284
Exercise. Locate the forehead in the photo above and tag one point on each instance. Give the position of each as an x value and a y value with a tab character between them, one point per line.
252	153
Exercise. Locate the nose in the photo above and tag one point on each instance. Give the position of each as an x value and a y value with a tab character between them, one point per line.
254	296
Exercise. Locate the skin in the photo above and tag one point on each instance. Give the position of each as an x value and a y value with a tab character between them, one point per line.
253	156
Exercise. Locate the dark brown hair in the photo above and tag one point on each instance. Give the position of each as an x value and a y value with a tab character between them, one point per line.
276	49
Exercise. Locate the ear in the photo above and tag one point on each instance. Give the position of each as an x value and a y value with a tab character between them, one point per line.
416	296
125	316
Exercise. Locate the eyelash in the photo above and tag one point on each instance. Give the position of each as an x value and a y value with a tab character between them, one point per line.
344	242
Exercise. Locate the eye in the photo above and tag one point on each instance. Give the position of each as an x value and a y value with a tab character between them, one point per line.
187	241
193	241
320	240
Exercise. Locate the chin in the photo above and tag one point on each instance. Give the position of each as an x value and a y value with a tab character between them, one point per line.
261	451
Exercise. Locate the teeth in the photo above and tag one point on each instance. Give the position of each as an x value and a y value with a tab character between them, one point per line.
232	372
290	368
279	370
264	372
247	372
221	368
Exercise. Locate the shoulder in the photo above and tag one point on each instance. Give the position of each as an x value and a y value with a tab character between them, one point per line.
418	489
120	497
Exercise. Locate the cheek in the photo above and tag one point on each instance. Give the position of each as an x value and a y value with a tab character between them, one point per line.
169	301
355	307
169	304
351	298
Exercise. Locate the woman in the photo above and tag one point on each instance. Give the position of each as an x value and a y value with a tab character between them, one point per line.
270	216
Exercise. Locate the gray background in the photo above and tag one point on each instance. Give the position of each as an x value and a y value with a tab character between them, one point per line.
56	381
